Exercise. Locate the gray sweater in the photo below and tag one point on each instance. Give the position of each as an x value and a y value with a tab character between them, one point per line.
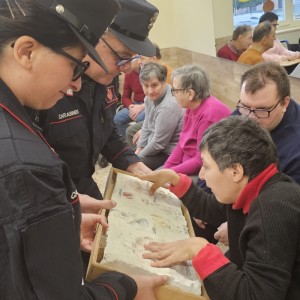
162	125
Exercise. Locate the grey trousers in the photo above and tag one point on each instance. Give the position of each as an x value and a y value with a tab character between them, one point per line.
131	131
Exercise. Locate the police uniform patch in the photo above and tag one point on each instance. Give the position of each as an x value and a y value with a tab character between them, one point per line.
111	96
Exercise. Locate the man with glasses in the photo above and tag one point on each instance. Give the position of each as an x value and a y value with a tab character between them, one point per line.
80	126
266	97
132	109
278	52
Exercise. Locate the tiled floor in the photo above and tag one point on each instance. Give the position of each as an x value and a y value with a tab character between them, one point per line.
100	176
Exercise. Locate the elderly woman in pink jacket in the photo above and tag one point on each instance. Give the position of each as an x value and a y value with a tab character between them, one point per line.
191	89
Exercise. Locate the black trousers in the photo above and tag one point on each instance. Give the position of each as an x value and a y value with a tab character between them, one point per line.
153	162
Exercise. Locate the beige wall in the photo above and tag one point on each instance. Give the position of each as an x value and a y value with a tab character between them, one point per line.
291	36
162	31
196	24
186	24
222	15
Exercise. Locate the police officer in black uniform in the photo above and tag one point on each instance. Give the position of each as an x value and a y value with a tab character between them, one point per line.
80	127
42	45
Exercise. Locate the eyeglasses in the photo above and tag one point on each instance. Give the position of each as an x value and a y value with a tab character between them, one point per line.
174	91
259	113
121	60
81	66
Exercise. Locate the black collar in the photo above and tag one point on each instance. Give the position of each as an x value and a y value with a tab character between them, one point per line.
11	105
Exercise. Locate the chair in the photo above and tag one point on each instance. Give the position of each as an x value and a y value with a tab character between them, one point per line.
120	106
291	47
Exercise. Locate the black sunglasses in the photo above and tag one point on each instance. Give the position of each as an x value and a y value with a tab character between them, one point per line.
81	66
121	60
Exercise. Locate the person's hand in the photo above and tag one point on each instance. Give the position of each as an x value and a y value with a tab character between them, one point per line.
138	168
136	137
91	205
88	226
174	253
160	178
138	150
135	110
222	234
291	58
201	224
147	284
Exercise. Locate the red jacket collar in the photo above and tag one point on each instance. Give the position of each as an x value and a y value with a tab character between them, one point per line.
252	189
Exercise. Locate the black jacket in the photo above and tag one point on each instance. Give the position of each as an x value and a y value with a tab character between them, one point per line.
81	127
264	243
40	219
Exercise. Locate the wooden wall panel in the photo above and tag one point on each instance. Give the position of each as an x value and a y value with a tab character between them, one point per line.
224	74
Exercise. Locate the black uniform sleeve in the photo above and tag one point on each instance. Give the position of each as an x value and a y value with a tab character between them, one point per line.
47	252
111	285
118	152
204	206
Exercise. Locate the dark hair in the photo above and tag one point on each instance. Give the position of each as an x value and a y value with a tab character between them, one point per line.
261	74
268	16
240	30
261	30
157	51
240	140
34	20
193	77
150	70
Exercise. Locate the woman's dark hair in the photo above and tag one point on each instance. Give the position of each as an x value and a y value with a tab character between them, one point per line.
153	70
240	140
27	17
268	16
157	51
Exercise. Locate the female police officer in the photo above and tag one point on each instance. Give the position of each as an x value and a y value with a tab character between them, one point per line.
42	45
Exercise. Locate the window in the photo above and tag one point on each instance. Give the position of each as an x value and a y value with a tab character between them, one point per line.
248	12
296	9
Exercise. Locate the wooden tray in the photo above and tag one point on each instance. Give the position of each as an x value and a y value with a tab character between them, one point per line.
95	268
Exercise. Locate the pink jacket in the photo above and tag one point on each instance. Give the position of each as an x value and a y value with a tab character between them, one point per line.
280	53
185	157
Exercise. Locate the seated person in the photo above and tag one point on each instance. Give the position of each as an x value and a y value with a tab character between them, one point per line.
278	52
132	98
163	117
157	59
133	132
241	40
240	165
263	39
191	89
266	97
